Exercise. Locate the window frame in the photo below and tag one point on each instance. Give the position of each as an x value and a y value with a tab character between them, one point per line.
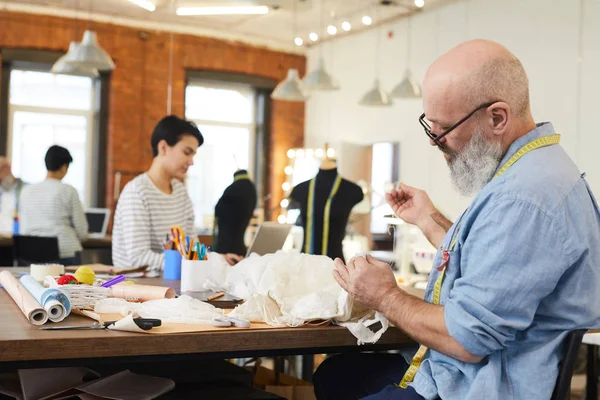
263	87
251	126
96	141
246	90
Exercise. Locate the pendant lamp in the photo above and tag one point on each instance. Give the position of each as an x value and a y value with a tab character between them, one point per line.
408	88
61	66
89	54
289	88
319	79
376	97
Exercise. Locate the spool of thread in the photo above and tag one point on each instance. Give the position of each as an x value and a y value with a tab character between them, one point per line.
40	271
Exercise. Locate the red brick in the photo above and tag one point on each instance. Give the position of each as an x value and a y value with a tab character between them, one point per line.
138	92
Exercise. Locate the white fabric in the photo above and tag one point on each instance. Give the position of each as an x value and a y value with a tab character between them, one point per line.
291	289
183	309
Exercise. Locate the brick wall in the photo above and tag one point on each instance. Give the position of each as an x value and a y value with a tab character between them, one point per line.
138	87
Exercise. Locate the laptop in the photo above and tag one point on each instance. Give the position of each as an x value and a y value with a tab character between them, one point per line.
97	219
269	238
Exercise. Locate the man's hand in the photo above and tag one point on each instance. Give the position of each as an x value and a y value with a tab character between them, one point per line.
415	207
367	280
232	259
410	204
372	283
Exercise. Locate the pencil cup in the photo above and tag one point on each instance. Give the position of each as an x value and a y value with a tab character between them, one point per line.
193	275
172	266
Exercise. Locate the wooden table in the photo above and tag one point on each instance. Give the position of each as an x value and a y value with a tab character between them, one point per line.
24	346
91	243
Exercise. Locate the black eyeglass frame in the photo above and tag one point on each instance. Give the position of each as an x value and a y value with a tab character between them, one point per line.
437	138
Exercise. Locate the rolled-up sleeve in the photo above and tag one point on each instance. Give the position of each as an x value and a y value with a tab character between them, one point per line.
511	259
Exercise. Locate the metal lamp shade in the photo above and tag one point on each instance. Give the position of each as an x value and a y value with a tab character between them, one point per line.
289	88
89	54
319	79
376	97
408	88
61	66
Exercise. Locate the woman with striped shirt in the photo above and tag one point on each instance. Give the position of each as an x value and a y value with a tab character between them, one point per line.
157	199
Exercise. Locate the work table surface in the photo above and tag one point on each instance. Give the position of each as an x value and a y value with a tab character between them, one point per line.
20	341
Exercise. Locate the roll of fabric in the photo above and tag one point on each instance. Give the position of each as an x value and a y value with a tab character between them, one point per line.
142	292
31	308
55	302
40	271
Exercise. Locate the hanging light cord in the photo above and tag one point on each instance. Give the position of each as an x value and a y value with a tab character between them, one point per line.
408	40
295	20
170	85
377	47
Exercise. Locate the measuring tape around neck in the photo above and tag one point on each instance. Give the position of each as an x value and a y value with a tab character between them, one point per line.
309	245
241	177
543	141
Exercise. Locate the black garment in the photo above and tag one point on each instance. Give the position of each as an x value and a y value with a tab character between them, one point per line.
348	195
367	376
232	215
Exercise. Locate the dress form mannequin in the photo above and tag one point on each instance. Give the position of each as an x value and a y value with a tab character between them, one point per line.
313	196
233	213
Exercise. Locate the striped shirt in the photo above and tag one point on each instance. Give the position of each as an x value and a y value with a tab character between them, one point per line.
142	220
52	208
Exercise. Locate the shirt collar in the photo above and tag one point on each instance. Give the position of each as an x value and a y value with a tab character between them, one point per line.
541	129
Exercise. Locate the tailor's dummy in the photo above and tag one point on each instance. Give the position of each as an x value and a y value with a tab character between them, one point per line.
233	213
325	203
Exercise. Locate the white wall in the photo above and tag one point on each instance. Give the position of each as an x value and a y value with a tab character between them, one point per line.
564	74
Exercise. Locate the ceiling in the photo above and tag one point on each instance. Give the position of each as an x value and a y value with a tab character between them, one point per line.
277	29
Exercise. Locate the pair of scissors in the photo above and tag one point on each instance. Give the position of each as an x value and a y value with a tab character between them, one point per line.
143	323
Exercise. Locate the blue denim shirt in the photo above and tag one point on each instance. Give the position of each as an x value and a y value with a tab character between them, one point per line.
524	272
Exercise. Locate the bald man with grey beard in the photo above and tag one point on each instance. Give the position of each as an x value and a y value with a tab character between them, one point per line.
513	275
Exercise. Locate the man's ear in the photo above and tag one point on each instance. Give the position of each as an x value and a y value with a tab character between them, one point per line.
162	147
500	118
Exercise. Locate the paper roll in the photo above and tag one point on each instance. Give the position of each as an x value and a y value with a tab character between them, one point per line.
142	292
48	298
40	271
32	310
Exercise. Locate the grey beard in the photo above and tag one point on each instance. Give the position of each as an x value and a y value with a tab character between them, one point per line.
472	168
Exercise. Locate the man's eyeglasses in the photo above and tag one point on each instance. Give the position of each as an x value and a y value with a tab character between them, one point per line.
437	138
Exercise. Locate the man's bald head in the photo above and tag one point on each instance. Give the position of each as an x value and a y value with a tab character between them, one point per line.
478	72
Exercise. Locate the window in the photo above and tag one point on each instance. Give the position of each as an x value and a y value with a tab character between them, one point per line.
384	173
224	114
47	109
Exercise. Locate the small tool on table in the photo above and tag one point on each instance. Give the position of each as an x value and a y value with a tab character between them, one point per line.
143	323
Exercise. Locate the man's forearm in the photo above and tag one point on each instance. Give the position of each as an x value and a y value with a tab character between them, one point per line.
434	227
424	322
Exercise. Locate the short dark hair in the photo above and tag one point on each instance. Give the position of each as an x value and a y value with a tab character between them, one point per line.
170	129
56	157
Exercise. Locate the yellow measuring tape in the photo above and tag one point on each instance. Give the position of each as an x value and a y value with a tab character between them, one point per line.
309	246
240	177
544	141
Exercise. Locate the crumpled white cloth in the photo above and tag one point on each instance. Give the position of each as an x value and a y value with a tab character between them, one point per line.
183	309
291	289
